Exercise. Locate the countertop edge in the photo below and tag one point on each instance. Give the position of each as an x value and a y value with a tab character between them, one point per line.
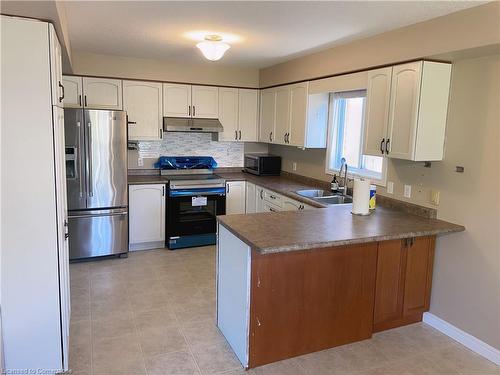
345	242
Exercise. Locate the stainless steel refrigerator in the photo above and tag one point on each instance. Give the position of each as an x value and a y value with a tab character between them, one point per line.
96	169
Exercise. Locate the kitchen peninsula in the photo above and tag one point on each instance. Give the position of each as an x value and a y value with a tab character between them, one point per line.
291	283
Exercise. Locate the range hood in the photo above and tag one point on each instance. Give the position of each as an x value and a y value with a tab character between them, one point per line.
192	125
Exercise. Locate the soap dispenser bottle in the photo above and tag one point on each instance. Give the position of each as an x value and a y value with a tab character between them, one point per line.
334	185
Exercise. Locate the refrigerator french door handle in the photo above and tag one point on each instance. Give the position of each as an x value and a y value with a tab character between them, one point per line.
89	158
78	157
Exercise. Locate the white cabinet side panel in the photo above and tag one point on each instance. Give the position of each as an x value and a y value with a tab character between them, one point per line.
31	325
233	292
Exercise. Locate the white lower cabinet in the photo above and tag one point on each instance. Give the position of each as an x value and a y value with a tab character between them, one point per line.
146	216
259	199
251	198
293	205
235	197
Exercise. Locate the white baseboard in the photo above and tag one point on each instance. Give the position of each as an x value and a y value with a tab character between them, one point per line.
473	343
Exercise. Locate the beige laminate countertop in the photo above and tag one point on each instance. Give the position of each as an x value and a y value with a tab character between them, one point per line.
274	232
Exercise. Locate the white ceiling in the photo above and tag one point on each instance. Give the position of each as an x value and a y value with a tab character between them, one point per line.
270	32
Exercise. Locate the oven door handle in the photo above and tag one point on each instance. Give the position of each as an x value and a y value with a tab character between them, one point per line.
197	192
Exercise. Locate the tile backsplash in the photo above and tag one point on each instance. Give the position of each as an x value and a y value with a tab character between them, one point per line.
226	154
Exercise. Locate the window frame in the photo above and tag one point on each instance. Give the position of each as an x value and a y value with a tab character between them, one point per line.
332	145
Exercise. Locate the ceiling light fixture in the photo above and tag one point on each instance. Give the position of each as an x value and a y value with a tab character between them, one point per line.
213	48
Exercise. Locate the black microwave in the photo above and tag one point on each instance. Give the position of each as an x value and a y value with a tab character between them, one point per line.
263	164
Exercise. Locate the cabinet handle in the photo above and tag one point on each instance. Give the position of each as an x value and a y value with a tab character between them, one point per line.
62	96
272	209
240	134
161	133
189	110
287	137
236	134
271	136
163	191
382	145
227	188
261	192
80	100
85	100
194	111
284	138
387	146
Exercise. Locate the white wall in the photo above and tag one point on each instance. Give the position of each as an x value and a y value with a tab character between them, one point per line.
128	67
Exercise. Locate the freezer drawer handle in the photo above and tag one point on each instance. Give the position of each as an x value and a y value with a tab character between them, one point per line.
98	215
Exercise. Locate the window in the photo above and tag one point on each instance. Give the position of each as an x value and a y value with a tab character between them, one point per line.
346	138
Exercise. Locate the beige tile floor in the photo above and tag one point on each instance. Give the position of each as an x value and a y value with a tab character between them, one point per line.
153	313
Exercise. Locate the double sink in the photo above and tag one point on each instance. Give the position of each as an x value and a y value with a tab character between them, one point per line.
325	197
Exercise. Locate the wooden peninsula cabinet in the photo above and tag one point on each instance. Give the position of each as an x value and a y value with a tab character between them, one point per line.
404	279
291	283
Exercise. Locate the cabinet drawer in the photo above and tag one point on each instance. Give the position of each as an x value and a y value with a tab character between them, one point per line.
269	207
273	198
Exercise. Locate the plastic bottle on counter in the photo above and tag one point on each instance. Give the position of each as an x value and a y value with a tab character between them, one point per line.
373	197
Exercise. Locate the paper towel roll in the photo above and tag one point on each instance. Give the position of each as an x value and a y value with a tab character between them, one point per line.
361	197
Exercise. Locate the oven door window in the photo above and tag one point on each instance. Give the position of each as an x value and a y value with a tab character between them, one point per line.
186	218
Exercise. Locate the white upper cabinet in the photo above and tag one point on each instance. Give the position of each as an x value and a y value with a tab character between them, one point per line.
298	114
267	115
235	197
417	116
176	100
248	115
143	103
102	93
238	114
228	114
295	117
378	96
282	126
73	91
205	101
58	91
146	215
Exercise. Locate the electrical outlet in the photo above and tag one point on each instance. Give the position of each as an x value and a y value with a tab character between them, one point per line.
294	166
407	192
435	197
140	162
390	187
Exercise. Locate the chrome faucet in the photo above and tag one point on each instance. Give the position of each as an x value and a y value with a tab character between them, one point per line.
342	165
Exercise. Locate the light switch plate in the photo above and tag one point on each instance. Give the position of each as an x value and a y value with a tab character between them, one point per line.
390	187
140	162
435	197
407	192
294	166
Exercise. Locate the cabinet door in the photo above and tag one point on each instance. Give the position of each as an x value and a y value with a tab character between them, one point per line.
298	114
405	95
259	199
73	89
267	115
418	278
228	114
176	100
248	114
205	101
378	96
146	213
143	101
235	197
282	127
56	68
102	93
389	287
251	202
